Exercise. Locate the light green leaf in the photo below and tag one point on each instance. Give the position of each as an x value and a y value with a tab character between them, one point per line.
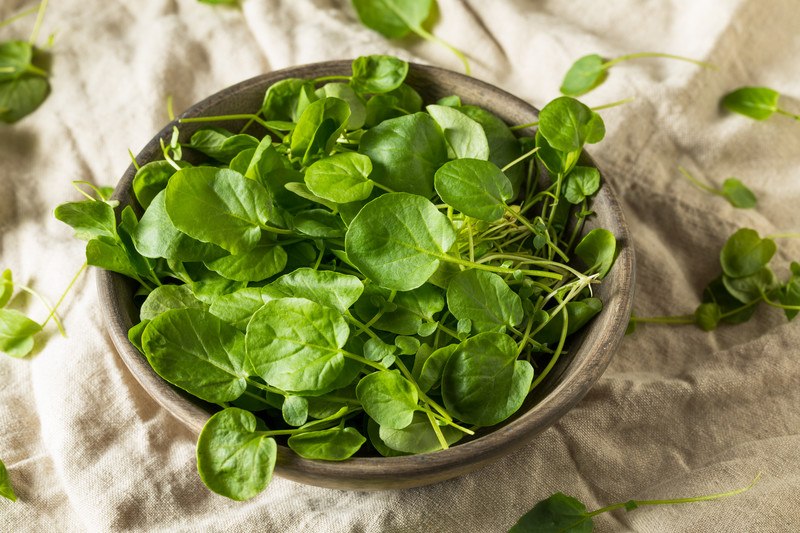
16	333
260	263
356	103
418	436
476	188
738	194
758	103
393	18
318	127
295	410
21	96
341	178
584	75
6	490
88	218
378	73
388	398
336	444
465	138
167	297
582	183
331	289
485	299
745	253
567	124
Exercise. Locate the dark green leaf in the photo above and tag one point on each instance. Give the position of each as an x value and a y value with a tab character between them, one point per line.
318	127
402	101
319	223
476	188
745	253
282	99
558	513
598	251
749	288
567	124
378	74
356	102
578	314
430	375
405	314
716	293
221	144
790	295
485	299
151	179
336	444
555	161
15	59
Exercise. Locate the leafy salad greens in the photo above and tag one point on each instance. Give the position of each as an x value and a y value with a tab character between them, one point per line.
356	267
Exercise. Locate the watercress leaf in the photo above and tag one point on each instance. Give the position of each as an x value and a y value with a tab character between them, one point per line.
707	316
388	398
233	459
465	138
356	102
398	240
427	329
407	345
378	73
282	99
302	190
749	288
319	223
745	253
476	188
110	254
88	218
219	206
452	100
295	410
579	312
406	313
6	490
197	352
16	333
151	179
237	307
598	250
584	75
21	96
418	436
331	289
716	293
135	334
738	194
393	18
6	287
790	295
318	127
567	124
758	103
128	224
341	178
220	144
559	512
483	383
582	183
485	299
264	162
15	59
555	161
260	263
167	297
241	161
401	101
296	344
406	152
336	444
430	375
373	431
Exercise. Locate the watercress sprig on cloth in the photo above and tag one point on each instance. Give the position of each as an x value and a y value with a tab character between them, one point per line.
758	103
6	490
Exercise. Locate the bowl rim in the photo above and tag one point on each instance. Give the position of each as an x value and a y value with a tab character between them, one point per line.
365	473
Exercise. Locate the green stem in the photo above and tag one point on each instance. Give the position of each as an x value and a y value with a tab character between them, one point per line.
437	430
559	349
697	183
422	396
47	305
382	187
273	229
626	57
613	104
523	126
783	236
363	360
779	305
532	261
256	397
38	24
254	118
266	388
136	165
63	295
14	18
170	110
787	113
430	37
683	319
36	71
520	158
498	270
323	79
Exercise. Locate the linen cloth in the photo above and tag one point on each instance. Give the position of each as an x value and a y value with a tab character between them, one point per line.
679	412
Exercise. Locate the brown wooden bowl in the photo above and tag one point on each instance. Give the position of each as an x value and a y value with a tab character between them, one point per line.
571	378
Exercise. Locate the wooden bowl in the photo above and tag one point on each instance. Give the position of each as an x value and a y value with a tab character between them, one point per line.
571	378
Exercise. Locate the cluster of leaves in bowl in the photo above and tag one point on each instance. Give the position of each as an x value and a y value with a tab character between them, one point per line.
364	257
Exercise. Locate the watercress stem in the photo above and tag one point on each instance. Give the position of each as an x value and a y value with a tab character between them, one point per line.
273	229
324	79
38	24
63	295
14	18
559	349
787	114
613	104
520	158
683	319
430	37
499	270
697	183
783	236
437	430
626	57
422	396
264	387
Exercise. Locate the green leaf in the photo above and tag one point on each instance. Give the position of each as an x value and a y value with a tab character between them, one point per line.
110	254
318	127
555	161
260	263
378	74
376	350
745	253
356	102
398	239
567	124
790	295
167	297
485	299
295	410
405	314
237	307
584	75
296	344
219	206
716	293
15	59
406	152
430	375
265	161
598	250
331	289
558	513
282	100
88	218
341	178
407	345
221	144
476	188
393	18
233	459
196	351
579	312
22	96
16	333
418	436
135	334
758	103
151	179
319	223
6	490
707	316
749	288
336	444
582	183
402	101
6	287
241	162
388	398
738	194
483	383
465	138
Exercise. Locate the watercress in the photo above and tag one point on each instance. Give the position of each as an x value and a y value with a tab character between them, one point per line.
733	190
758	103
6	490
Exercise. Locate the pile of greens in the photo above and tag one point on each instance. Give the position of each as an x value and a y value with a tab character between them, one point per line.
363	269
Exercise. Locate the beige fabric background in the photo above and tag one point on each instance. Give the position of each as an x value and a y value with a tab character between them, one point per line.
679	412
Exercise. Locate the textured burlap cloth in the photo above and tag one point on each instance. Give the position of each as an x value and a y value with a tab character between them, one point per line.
679	412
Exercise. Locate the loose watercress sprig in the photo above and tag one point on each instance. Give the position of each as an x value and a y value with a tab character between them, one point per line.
733	190
354	267
6	490
560	513
758	103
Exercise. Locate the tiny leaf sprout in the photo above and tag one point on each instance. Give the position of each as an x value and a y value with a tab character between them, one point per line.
758	103
733	190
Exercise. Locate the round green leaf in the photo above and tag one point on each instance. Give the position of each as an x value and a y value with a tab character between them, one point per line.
21	96
167	297
89	219
378	74
341	178
418	436
356	103
755	102
295	410
393	18
581	184
752	287
336	444
476	188
260	263
152	178
465	138
16	333
598	250
328	288
738	194
485	299
233	459
584	75
567	124
388	398
559	512
318	127
15	59
282	99
405	314
555	161
745	253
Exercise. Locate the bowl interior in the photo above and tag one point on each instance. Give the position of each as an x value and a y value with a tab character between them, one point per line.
574	374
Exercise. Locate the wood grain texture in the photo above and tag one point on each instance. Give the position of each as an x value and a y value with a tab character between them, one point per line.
573	376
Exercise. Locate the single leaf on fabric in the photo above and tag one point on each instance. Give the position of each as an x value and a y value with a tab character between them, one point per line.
579	312
260	263
341	178
282	99
325	287
388	398
465	138
196	351
15	59
295	410
584	75
558	513
318	127
167	297
476	188
485	299
219	206
745	253
296	344
220	144
21	96
406	152
758	103
598	250
752	287
88	218
567	124
233	459
707	316
738	194
483	382
378	73
582	183
152	178
356	102
6	287
336	444
16	333
555	161
418	436
790	295
6	489
398	239
393	18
